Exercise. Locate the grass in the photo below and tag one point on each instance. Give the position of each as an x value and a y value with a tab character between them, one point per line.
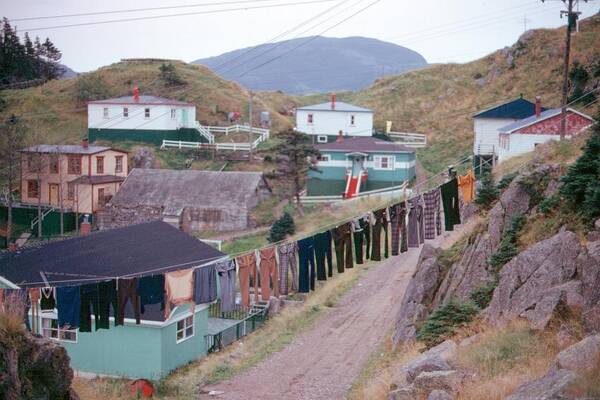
245	243
277	333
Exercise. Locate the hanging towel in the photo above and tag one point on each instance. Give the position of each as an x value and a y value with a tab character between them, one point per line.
47	299
205	284
179	289
449	192
151	290
226	273
68	304
466	183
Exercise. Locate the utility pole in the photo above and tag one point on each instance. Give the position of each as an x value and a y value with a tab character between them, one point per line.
250	136
525	21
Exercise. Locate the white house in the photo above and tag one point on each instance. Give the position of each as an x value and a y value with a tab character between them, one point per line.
325	121
487	123
142	118
523	136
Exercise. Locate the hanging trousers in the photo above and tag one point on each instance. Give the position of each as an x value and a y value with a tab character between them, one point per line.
323	254
366	227
343	246
306	255
395	228
449	192
287	260
247	268
415	222
127	292
377	227
97	298
226	273
358	246
268	273
431	216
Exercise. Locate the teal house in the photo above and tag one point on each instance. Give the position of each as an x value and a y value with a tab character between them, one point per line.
150	349
354	165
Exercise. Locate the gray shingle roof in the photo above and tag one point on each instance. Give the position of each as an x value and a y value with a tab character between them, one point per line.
98	179
364	144
144	99
66	149
178	189
339	106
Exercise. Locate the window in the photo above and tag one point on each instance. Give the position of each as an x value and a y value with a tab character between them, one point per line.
54	164
33	190
324	158
310	118
173	113
101	198
74	165
105	112
185	329
321	139
51	330
70	191
352	120
118	164
100	165
146	113
34	163
384	162
211	215
125	112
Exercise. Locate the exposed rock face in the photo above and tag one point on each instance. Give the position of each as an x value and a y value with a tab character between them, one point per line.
439	395
590	278
435	359
448	381
582	356
552	386
405	393
534	282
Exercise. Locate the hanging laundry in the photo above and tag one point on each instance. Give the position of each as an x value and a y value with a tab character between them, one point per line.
416	234
127	292
323	253
205	284
179	289
466	183
365	223
107	296
358	236
247	270
1	299
226	273
433	223
47	299
385	231
449	192
89	297
34	298
68	303
151	290
287	260
378	225
395	228
342	238
268	273
306	268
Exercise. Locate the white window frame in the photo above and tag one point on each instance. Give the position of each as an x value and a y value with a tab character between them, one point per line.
56	333
324	158
322	139
147	112
125	112
105	112
352	120
173	113
186	323
310	119
377	161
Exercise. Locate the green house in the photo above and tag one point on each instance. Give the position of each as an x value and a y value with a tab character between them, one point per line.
150	349
356	165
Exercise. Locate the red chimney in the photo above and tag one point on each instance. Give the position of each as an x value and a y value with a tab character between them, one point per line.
136	93
85	227
340	137
538	106
85	143
333	101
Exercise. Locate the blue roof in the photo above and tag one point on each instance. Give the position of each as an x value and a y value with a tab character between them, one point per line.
516	109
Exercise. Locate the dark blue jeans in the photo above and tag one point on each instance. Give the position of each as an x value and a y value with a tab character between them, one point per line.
306	255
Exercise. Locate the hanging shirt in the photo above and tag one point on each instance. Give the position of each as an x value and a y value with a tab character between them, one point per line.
466	183
68	304
179	289
47	299
151	290
205	284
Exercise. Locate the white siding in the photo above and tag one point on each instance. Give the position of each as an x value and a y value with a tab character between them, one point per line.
331	122
160	117
523	143
486	134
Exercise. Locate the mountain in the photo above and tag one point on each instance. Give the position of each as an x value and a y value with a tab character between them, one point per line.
314	64
67	72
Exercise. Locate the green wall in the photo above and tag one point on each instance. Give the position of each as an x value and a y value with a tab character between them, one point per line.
177	354
22	218
394	177
145	135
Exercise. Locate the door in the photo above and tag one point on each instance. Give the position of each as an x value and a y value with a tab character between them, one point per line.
357	165
53	194
184	117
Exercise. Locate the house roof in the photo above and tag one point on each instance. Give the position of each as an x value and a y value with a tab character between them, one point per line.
339	106
136	250
143	100
67	149
516	109
97	179
177	189
533	119
364	145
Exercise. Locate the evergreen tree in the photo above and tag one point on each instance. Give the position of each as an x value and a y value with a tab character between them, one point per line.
170	76
281	228
579	78
488	192
582	182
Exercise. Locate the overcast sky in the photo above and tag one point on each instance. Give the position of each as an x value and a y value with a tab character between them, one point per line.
441	30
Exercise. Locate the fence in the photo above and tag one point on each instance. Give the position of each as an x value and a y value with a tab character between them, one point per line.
389	191
209	133
409	139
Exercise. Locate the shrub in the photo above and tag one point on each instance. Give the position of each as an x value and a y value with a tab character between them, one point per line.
482	295
508	246
90	87
549	204
170	76
281	228
444	321
506	180
488	193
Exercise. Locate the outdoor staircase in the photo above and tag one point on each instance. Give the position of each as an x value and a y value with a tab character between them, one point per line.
353	186
38	220
260	307
20	242
204	132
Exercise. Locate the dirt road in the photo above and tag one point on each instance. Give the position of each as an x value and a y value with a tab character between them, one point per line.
323	362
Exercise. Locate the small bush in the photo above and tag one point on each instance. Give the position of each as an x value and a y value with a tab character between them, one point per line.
508	246
506	180
91	87
482	295
549	204
281	228
488	193
169	74
445	320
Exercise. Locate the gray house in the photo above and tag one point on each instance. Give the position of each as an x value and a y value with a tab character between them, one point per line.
189	199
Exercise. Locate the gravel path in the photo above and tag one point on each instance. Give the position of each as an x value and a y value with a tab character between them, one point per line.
324	361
